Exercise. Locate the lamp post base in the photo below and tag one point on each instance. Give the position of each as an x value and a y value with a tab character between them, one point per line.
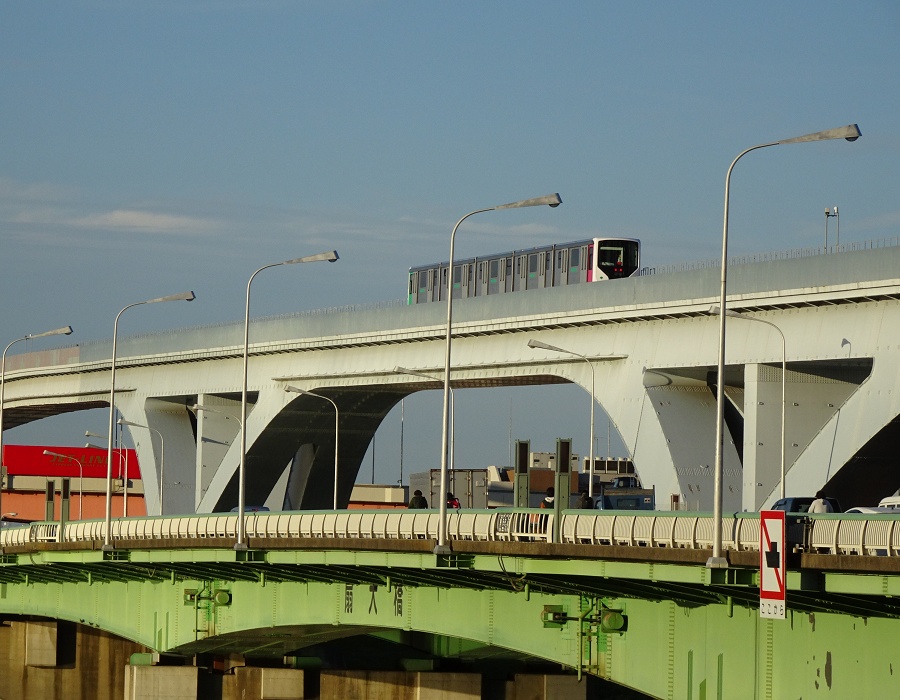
717	563
240	547
442	549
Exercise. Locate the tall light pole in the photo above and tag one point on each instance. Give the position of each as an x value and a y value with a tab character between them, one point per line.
537	344
551	200
80	479
197	408
828	215
337	425
850	132
123	468
414	373
65	330
162	457
734	314
183	296
330	256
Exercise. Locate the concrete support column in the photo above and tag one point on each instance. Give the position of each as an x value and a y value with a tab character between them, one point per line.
762	435
390	685
161	682
41	643
174	464
263	683
546	687
217	431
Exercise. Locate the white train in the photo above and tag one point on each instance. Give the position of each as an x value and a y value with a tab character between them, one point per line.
578	262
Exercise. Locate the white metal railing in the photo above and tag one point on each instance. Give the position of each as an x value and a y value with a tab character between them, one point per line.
866	535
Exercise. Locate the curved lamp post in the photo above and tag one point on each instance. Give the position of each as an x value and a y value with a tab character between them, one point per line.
337	421
850	132
330	256
80	479
123	467
65	330
545	346
198	408
551	200
162	457
734	314
414	373
183	296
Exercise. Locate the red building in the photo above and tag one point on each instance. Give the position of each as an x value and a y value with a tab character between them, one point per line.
29	468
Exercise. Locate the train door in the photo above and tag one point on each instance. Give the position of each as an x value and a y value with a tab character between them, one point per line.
412	294
521	277
422	286
561	267
508	277
496	272
463	280
538	267
439	285
481	278
579	264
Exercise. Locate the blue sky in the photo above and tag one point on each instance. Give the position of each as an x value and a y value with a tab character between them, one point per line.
148	148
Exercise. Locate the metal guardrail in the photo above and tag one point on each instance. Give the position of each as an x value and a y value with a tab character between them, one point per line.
863	535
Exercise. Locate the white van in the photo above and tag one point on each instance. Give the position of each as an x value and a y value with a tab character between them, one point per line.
892	502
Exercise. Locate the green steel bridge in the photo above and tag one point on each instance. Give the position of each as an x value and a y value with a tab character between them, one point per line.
622	596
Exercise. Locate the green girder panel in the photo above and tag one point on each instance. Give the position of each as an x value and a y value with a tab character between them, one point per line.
688	632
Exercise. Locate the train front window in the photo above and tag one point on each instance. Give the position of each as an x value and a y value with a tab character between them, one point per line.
618	259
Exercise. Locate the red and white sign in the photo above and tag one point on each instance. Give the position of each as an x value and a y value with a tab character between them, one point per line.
772	588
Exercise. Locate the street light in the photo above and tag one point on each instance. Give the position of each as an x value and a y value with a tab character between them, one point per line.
734	314
65	330
295	390
183	296
330	256
80	480
850	132
829	214
196	408
162	457
411	372
123	467
551	200
544	346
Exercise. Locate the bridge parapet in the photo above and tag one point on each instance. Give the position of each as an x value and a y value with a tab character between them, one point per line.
832	534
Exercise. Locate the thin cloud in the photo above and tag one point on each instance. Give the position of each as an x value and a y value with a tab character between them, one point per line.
135	219
116	220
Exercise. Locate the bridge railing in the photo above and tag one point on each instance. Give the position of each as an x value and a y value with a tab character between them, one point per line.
864	534
662	529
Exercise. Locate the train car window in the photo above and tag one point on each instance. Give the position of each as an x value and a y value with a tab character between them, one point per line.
532	265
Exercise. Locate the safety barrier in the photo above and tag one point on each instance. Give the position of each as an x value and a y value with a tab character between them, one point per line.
863	535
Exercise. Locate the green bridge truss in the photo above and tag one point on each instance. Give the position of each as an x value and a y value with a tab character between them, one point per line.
656	620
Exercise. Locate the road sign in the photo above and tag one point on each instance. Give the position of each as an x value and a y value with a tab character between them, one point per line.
772	589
